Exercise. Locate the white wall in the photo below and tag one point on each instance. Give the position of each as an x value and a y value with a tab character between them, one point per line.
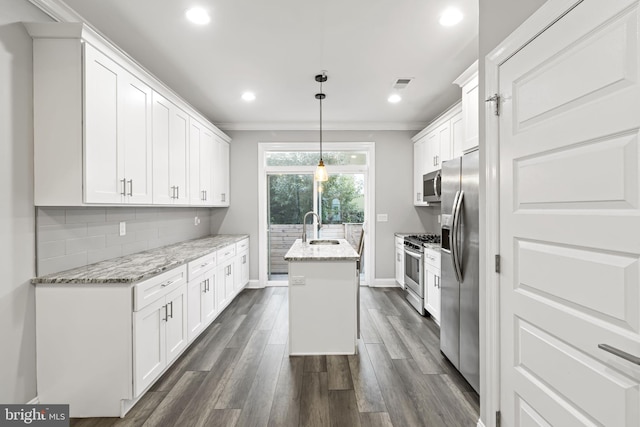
17	214
393	189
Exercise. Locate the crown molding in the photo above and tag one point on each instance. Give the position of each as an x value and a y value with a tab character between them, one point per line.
326	126
58	10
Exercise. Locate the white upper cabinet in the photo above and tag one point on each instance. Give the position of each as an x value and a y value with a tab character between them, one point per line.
107	132
468	81
170	161
117	142
221	173
201	146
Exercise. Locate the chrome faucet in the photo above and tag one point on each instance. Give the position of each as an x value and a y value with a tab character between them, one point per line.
304	224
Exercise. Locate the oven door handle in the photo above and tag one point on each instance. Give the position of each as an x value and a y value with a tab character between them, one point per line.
412	253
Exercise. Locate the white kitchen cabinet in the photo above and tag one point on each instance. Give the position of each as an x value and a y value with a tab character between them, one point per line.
160	328
94	127
468	81
201	294
399	251
433	145
225	282
242	264
170	148
457	136
117	141
201	148
221	173
432	283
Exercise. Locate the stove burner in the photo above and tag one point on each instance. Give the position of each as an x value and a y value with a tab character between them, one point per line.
424	238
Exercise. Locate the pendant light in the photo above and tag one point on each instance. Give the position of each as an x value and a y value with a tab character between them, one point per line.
321	172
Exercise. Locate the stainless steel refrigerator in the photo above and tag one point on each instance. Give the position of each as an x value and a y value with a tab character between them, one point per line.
459	320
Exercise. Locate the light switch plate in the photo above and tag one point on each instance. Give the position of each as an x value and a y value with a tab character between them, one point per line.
297	280
123	228
382	217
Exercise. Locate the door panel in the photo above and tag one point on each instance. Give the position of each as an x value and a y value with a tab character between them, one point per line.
569	189
176	325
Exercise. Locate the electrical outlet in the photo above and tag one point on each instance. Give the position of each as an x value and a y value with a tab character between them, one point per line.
196	221
123	228
296	280
439	218
382	217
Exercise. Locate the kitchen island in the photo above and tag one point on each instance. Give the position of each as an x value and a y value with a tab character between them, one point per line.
323	297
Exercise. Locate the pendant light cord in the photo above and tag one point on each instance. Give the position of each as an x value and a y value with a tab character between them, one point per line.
321	119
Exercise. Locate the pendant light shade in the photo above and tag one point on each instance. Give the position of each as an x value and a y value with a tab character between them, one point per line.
321	174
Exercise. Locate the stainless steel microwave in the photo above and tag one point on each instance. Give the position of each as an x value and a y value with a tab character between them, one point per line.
431	187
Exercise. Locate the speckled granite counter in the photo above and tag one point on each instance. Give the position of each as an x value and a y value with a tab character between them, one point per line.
432	246
306	252
142	265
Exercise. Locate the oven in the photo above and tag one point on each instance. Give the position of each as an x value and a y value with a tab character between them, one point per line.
413	275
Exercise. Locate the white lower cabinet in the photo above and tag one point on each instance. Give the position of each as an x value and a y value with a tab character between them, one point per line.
432	283
400	261
242	264
160	332
201	295
225	283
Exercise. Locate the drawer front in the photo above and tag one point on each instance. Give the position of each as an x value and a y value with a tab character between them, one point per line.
242	245
226	253
432	258
144	293
201	265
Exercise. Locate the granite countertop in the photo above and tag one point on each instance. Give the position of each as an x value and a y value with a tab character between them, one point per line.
432	246
306	252
142	265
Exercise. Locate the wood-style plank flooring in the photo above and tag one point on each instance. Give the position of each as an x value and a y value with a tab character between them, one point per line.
239	373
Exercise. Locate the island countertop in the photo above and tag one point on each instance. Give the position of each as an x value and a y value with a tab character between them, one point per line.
142	265
305	252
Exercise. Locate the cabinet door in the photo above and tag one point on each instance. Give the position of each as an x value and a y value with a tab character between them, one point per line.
195	135
209	307
220	294
221	173
432	300
149	344
134	138
457	136
242	270
206	166
161	136
419	169
229	280
442	149
176	325
470	114
195	316
431	151
178	159
400	266
103	167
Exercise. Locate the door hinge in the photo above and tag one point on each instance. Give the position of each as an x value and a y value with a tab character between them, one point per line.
498	263
497	418
496	106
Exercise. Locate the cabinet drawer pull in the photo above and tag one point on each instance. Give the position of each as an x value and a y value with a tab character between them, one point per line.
124	187
224	197
166	313
167	283
177	192
623	354
131	187
204	265
171	314
173	192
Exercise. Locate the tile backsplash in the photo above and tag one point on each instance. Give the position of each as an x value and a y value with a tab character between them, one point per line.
70	237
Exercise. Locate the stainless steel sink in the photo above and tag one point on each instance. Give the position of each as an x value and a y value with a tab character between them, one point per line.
324	242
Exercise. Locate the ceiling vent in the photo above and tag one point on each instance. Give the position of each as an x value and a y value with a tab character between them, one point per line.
401	83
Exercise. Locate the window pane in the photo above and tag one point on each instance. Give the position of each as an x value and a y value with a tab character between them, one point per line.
310	158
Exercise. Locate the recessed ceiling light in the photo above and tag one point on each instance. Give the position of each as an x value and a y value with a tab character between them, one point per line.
249	96
450	17
198	16
395	98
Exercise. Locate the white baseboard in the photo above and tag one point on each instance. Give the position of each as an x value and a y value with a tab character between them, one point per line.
34	401
253	284
384	283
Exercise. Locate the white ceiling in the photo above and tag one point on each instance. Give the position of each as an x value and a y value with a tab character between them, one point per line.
275	48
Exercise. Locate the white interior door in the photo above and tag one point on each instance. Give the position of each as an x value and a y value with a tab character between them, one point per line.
570	224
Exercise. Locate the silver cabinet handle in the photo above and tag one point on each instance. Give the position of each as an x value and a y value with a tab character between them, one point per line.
167	283
166	313
224	197
205	195
124	187
171	314
173	192
131	187
623	354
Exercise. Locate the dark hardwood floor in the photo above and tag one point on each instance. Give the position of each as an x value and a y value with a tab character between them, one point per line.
239	373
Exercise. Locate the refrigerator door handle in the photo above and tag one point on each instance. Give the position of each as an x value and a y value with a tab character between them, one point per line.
452	234
455	236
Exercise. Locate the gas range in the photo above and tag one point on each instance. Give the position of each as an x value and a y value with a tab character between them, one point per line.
415	241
